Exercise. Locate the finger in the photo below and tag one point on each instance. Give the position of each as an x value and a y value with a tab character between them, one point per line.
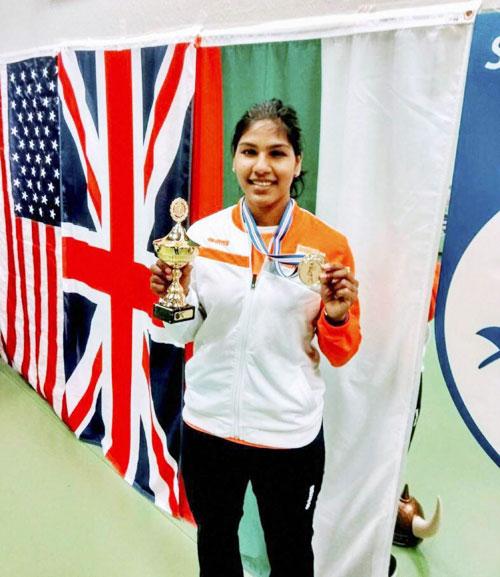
186	272
160	271
185	279
338	280
158	289
332	266
328	295
336	269
344	283
158	284
162	277
161	264
346	294
334	278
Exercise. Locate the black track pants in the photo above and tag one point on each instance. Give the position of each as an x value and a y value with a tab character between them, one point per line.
286	483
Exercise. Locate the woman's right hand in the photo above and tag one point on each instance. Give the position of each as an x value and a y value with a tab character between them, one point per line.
161	277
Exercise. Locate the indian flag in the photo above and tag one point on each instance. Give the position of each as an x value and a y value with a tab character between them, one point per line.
379	110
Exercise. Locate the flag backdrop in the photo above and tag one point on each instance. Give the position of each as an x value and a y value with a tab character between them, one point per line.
98	145
469	345
131	129
369	110
32	319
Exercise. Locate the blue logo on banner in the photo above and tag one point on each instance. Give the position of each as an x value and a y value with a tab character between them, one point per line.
468	305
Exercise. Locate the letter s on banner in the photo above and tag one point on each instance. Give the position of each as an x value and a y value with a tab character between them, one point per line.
495	47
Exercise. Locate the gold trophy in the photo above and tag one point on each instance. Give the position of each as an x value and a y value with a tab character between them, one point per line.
176	250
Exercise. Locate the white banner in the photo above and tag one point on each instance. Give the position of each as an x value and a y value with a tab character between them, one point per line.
390	111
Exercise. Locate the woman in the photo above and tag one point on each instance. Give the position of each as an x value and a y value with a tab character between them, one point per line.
254	394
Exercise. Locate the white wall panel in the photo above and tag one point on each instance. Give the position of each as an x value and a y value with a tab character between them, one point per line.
29	24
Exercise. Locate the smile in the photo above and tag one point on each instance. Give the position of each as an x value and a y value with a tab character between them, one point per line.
262	183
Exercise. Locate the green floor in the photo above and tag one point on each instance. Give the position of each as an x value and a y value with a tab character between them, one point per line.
445	460
64	512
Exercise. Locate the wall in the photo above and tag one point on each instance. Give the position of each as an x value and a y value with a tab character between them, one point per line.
29	24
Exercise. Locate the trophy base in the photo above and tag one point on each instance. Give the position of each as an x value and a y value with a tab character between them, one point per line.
173	315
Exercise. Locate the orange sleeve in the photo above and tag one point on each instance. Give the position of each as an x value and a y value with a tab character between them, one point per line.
340	343
435	286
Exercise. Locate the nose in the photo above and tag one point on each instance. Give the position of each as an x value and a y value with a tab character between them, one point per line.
261	164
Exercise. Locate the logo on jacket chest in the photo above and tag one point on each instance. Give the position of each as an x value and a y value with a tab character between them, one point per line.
303	249
218	241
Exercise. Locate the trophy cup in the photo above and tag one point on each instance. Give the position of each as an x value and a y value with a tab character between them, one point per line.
176	250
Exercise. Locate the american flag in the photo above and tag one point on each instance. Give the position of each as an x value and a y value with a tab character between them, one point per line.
31	271
122	154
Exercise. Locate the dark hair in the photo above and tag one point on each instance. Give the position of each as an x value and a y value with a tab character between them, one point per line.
274	109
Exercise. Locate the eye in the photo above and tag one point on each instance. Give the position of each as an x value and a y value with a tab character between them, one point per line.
278	153
248	152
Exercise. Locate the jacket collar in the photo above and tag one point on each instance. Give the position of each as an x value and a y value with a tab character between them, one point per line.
238	222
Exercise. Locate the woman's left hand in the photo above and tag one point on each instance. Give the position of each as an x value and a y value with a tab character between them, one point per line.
339	290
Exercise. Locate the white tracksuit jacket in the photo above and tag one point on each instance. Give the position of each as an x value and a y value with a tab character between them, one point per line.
254	375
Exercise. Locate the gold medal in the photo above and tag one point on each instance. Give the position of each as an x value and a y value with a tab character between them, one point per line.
310	268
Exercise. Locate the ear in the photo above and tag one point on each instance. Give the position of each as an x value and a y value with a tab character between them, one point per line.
298	166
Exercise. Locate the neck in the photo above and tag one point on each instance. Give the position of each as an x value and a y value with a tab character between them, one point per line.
269	215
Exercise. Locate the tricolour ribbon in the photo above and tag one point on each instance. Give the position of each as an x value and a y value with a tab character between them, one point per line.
275	245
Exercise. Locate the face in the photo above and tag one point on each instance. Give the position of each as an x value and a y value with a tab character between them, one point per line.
265	165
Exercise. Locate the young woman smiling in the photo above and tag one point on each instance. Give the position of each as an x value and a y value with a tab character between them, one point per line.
254	394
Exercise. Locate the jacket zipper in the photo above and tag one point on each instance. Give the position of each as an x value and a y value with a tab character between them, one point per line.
239	382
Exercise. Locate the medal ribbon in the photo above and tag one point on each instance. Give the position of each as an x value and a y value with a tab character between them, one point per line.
274	248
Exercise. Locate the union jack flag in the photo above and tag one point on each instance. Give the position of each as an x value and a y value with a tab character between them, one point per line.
124	151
